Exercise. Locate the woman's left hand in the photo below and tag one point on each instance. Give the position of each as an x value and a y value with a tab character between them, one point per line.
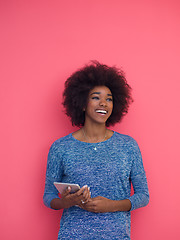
98	205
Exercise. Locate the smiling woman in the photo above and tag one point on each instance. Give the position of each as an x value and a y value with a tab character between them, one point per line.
80	83
103	162
99	105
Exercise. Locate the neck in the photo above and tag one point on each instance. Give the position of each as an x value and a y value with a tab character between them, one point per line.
94	133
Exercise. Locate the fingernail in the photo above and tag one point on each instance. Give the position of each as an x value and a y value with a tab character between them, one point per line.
84	186
69	188
88	188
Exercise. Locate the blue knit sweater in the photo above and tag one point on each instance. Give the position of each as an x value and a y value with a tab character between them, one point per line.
108	168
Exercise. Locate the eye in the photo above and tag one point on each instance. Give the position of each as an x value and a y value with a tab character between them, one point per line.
109	99
95	97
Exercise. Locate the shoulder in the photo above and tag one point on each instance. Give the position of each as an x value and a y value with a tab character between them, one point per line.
125	140
61	143
128	144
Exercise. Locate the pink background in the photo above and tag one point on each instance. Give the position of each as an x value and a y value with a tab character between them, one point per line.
41	44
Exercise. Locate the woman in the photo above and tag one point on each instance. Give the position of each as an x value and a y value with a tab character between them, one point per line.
103	162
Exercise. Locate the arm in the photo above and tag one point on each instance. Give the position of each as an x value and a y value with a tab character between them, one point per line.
140	198
102	204
54	173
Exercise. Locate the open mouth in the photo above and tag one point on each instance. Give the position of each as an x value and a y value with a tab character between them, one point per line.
101	111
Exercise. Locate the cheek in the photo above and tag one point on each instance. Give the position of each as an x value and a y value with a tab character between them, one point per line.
111	107
89	107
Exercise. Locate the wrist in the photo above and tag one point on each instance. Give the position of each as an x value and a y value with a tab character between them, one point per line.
119	205
66	203
115	205
60	203
123	205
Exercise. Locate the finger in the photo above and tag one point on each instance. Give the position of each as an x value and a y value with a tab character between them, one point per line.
80	191
79	199
66	191
83	204
82	199
87	206
86	193
89	194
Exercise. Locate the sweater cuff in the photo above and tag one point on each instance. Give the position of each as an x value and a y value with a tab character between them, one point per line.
132	204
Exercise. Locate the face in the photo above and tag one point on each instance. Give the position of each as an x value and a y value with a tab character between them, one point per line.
99	105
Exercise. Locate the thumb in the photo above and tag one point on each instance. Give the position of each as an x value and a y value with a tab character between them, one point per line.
66	192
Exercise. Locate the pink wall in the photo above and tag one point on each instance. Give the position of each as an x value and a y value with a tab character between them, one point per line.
41	43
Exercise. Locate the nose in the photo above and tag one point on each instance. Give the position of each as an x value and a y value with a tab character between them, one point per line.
102	103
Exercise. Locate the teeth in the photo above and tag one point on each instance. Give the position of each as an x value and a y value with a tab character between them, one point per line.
101	111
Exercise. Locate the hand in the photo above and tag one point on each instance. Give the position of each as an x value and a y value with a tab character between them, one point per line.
82	196
98	205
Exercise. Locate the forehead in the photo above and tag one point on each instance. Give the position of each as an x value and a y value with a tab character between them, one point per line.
100	90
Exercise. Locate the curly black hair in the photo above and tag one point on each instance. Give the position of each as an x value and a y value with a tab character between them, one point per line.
80	83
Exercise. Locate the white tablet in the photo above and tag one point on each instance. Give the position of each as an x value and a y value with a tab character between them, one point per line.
61	187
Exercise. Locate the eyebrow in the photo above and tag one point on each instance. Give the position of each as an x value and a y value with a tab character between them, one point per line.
100	93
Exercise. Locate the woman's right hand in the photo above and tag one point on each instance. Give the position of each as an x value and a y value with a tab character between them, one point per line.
71	199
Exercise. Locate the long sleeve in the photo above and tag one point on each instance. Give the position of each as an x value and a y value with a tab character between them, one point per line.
140	198
53	174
